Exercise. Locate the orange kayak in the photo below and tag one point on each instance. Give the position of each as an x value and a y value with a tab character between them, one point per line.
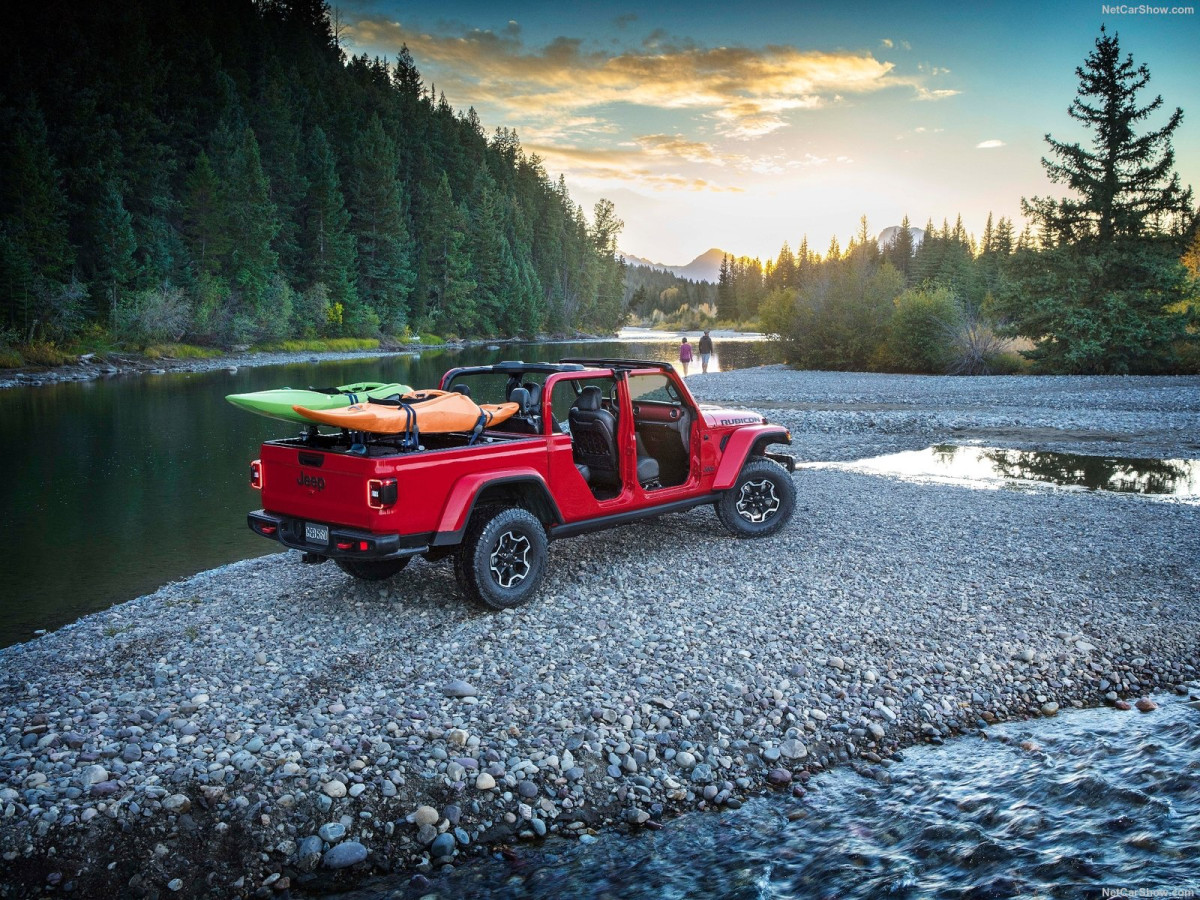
434	411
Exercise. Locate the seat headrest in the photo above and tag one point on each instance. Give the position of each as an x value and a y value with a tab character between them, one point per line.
535	392
589	399
519	396
462	389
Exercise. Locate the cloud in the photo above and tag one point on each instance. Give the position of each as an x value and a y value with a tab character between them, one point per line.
623	164
989	145
887	43
747	92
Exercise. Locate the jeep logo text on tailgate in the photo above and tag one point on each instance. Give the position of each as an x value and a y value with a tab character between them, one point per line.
309	481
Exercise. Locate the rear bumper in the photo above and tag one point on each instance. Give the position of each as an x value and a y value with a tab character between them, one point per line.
290	532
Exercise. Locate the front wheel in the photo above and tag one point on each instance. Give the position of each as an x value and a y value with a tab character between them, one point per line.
760	502
502	559
372	569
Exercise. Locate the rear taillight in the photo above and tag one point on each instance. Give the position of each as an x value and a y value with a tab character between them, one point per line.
382	493
354	545
256	475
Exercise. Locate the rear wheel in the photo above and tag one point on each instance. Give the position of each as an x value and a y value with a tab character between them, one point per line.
502	559
372	569
761	500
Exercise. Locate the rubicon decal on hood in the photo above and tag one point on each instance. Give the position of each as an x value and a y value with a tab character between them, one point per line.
741	420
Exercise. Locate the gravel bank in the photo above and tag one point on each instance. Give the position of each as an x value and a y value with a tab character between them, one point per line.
299	729
116	365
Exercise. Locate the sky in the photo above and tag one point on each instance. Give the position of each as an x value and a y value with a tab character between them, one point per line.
744	125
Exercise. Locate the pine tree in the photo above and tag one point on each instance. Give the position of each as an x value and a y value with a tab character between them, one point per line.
783	275
385	271
116	244
989	236
447	262
328	246
1003	242
1107	292
37	254
726	298
493	268
203	217
900	253
609	314
252	223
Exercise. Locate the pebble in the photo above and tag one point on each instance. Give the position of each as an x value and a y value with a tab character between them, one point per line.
459	688
335	789
332	832
425	815
443	845
1145	704
344	855
485	782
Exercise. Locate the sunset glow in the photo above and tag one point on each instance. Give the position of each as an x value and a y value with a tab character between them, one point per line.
710	125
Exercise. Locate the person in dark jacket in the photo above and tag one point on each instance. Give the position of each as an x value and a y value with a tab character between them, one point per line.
706	350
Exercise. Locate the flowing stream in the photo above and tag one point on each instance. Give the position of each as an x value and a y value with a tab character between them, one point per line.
1092	803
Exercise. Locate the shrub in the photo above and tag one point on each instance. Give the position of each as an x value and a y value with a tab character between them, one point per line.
161	315
44	353
310	310
181	351
921	332
273	317
10	358
65	308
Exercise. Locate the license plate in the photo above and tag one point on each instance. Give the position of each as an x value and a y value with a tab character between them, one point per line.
316	534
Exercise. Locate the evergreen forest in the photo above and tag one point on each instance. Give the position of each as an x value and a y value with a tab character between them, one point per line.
221	173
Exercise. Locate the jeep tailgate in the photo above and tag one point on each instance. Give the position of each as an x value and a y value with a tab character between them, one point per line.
316	485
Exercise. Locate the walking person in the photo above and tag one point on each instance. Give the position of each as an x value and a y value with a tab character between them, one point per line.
706	350
685	354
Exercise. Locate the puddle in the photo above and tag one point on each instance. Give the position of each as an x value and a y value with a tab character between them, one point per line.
993	468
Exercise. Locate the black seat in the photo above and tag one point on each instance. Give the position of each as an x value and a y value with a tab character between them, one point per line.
594	438
647	465
462	389
535	396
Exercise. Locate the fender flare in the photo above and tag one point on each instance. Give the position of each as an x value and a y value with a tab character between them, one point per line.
465	493
745	442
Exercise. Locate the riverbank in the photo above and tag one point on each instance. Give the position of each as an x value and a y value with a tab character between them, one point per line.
269	727
91	367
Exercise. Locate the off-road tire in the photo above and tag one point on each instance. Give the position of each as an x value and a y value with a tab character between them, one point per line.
372	569
502	559
761	500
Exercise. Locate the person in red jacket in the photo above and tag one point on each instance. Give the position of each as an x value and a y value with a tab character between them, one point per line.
685	354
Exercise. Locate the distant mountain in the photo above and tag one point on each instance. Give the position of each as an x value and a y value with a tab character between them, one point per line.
705	267
889	234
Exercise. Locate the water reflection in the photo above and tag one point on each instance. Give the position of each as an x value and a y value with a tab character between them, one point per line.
988	467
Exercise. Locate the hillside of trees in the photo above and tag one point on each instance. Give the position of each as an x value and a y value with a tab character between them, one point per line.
221	173
1105	281
653	296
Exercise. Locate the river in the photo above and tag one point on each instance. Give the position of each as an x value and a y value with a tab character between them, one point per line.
114	487
1093	803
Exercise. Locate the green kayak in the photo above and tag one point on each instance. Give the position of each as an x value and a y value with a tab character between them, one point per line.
278	403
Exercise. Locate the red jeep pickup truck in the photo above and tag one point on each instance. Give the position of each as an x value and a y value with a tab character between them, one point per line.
595	443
